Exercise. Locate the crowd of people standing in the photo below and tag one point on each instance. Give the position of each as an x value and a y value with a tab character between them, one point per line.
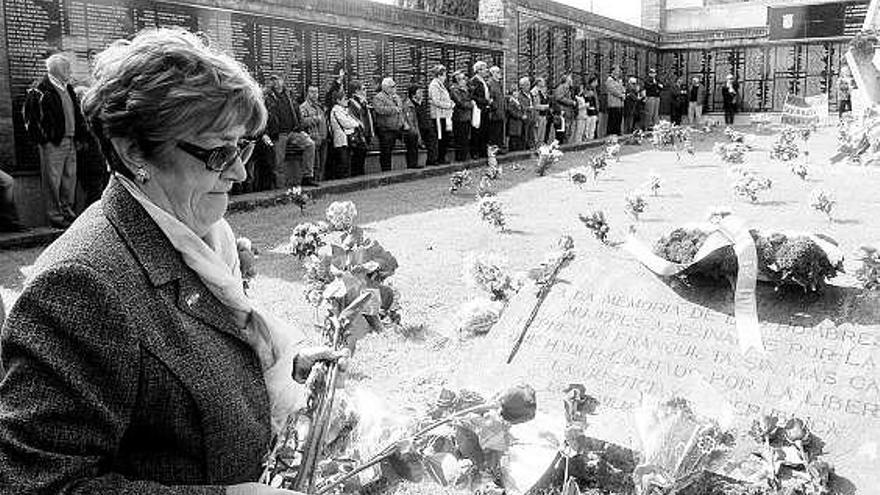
305	142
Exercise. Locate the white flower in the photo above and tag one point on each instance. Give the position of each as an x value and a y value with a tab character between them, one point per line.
341	214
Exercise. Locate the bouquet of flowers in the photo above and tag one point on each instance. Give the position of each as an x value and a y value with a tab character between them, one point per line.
869	271
654	184
730	152
677	446
612	148
548	154
490	272
749	184
492	212
596	223
459	443
822	200
598	163
341	214
459	180
578	176
798	260
477	316
307	238
485	187
734	135
492	172
790	456
635	204
296	196
785	147
636	138
668	135
800	169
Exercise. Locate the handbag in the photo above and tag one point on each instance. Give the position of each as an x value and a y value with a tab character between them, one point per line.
356	139
475	117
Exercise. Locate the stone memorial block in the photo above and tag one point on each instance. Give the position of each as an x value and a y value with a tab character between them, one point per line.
628	336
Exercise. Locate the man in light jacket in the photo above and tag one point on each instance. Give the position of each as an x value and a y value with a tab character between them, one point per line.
389	121
442	108
567	106
616	94
696	97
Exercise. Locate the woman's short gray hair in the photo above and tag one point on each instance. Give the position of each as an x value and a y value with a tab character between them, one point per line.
164	85
480	65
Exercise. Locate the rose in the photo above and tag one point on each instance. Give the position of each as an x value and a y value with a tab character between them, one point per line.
820	473
764	427
518	404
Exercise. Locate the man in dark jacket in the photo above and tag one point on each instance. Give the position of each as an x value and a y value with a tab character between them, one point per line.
53	119
519	117
565	106
497	109
461	115
729	95
359	107
481	98
284	127
653	87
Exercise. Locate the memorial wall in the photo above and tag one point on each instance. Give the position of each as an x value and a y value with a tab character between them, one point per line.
304	52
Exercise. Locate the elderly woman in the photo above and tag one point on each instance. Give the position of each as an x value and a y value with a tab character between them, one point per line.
135	363
441	113
348	135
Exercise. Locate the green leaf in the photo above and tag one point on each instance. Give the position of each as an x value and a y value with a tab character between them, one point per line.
433	465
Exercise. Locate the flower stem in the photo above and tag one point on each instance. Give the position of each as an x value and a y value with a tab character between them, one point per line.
392	449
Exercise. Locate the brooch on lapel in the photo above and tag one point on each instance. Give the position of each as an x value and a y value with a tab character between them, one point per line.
192	299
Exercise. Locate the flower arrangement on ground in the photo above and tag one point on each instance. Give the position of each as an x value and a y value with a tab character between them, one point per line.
580	175
548	154
341	214
296	196
800	169
598	163
492	172
596	223
730	152
749	184
868	273
491	273
492	212
612	148
636	138
654	184
798	260
734	135
485	188
635	204
307	238
459	180
667	135
790	456
823	201
785	147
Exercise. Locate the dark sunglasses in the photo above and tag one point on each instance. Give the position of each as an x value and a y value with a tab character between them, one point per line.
222	157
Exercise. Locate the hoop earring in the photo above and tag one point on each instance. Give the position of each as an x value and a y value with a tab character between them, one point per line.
141	175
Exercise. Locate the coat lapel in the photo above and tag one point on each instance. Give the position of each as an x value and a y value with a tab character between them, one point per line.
162	262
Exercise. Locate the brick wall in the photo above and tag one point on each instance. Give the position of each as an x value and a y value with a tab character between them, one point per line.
7	145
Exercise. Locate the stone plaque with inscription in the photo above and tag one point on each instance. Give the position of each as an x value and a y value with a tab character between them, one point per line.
629	336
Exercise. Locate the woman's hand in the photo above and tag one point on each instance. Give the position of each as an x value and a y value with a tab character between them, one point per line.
309	356
257	489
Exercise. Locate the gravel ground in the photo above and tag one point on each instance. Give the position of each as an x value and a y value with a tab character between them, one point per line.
431	232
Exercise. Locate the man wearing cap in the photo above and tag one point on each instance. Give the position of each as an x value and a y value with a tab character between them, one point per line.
284	126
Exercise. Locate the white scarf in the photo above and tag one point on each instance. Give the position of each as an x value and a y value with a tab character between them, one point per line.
215	260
